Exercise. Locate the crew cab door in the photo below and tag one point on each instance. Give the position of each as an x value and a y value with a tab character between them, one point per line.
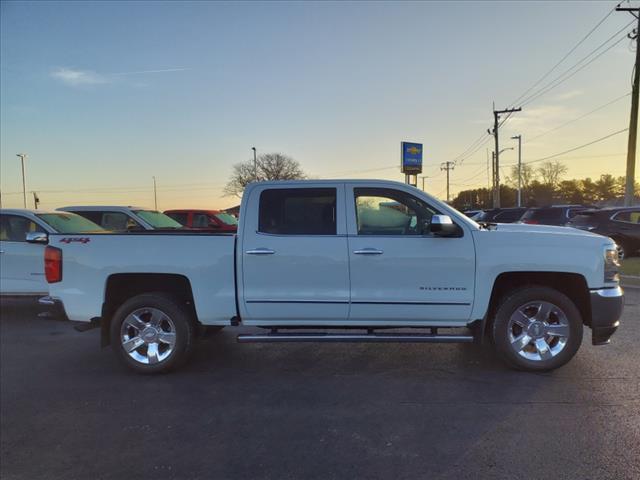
21	263
293	256
399	271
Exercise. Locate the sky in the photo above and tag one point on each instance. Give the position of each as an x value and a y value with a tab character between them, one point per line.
103	96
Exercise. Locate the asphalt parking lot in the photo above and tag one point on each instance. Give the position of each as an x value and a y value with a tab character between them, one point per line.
70	410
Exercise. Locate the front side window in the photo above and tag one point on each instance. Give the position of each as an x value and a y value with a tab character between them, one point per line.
118	222
298	211
381	211
14	228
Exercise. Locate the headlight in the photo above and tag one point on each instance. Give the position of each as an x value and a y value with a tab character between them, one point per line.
611	264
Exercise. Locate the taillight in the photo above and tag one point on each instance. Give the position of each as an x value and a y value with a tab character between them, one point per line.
53	264
530	222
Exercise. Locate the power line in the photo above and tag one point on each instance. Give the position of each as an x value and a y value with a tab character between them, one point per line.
576	148
580	117
567	74
573	49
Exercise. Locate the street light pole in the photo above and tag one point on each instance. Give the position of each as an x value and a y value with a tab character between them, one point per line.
519	138
23	156
155	194
255	164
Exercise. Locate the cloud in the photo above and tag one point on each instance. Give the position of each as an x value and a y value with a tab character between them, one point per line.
570	94
77	78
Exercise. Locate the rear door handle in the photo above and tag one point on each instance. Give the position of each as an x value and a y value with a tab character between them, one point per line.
260	251
368	251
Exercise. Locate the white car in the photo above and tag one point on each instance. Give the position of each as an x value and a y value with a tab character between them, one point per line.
364	256
21	261
122	219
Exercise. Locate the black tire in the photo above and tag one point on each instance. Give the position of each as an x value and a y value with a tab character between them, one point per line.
500	329
181	318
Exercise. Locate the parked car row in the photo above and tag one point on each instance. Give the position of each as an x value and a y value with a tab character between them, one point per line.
622	224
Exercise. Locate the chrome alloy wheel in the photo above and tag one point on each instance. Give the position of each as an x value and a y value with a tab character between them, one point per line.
148	335
538	330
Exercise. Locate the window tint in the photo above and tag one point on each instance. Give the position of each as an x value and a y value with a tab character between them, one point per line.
382	211
178	217
201	220
508	216
630	216
113	221
572	212
298	211
14	228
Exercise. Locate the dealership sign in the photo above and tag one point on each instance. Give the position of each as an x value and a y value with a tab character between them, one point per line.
411	159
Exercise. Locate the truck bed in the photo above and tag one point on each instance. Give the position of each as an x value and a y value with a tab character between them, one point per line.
91	262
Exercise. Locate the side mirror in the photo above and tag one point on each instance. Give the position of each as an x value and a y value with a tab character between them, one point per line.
442	225
37	237
213	224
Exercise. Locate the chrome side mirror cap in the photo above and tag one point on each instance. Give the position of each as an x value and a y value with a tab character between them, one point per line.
37	237
443	225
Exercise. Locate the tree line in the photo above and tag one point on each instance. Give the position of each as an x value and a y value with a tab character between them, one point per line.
545	185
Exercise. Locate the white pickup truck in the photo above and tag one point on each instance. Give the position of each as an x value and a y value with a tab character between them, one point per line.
346	261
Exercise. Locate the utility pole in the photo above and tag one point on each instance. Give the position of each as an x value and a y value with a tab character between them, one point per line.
519	138
36	200
23	157
155	194
633	123
493	177
423	177
447	166
255	164
496	126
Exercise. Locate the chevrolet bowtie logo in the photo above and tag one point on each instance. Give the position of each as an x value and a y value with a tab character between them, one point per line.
413	150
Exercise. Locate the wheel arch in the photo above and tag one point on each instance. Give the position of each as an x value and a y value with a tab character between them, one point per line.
573	285
122	286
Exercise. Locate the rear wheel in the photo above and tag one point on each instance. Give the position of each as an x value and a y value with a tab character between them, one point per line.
152	333
537	328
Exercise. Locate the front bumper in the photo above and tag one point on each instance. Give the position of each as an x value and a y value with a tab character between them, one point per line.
606	309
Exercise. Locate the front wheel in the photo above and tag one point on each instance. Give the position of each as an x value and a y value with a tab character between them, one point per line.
537	328
152	333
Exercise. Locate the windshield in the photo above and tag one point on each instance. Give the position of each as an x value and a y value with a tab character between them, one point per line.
157	219
69	223
227	219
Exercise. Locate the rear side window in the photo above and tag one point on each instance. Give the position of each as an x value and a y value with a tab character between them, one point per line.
508	216
629	216
298	211
543	214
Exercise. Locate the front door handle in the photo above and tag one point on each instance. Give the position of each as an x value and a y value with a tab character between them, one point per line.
368	251
260	251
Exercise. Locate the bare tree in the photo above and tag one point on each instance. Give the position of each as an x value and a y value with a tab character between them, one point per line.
527	174
551	173
270	166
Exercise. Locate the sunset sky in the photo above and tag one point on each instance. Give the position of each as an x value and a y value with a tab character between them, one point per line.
103	96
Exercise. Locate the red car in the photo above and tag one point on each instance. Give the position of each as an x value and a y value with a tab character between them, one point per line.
205	219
